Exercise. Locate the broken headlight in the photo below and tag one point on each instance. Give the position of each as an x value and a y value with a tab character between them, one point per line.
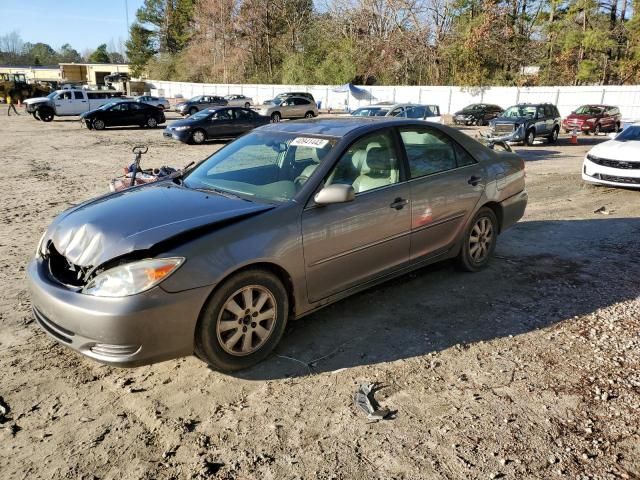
132	278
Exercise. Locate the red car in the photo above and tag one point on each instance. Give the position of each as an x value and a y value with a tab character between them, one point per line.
593	119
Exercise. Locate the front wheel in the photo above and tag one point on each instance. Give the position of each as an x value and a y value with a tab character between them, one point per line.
242	321
98	124
151	122
247	105
309	115
275	117
45	115
530	137
479	241
553	138
193	110
198	137
597	130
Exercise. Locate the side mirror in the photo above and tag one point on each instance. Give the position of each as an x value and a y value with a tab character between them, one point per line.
335	194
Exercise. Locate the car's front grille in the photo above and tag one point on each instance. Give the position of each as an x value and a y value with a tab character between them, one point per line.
503	128
62	270
616	179
52	328
605	162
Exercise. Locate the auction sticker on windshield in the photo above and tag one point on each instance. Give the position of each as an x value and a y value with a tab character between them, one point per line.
309	142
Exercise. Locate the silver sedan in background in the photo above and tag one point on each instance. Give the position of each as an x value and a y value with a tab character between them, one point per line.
159	102
238	101
279	223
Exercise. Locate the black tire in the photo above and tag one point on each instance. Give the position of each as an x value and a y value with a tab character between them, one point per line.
553	138
276	117
46	114
530	137
617	127
151	122
98	124
597	130
193	110
208	344
309	114
247	105
465	259
566	131
198	136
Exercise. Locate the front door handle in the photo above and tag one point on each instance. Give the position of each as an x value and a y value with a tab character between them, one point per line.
473	181
399	203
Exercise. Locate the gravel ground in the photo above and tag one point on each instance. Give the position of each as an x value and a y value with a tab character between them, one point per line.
529	369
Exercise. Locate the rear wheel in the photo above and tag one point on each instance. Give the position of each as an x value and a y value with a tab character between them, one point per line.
151	122
98	124
530	137
309	115
275	117
198	137
242	321
479	241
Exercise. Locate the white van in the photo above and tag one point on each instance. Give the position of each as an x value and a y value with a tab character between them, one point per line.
69	102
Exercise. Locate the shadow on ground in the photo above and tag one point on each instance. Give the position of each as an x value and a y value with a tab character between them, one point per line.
569	269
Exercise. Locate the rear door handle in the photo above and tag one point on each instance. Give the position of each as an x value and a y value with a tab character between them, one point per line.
473	181
399	203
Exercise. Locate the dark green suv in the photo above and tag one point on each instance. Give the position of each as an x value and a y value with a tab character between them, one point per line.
526	121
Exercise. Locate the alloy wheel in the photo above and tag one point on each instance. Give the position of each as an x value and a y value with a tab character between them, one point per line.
198	136
480	240
152	122
246	320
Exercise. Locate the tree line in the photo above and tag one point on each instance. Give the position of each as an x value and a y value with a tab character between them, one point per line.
14	51
404	42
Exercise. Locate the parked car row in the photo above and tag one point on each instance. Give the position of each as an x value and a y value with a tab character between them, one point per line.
525	122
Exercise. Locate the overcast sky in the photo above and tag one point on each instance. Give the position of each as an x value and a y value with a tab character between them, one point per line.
84	24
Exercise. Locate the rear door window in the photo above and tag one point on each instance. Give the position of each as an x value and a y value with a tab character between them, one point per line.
430	151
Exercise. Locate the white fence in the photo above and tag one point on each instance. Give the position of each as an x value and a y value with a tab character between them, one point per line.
450	99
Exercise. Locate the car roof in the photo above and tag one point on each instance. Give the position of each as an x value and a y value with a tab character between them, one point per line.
337	126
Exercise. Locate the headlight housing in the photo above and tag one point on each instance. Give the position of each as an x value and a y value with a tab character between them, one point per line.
590	120
182	128
132	278
592	158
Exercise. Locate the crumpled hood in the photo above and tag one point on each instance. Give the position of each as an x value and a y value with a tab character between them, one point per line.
519	120
31	101
575	116
113	225
626	151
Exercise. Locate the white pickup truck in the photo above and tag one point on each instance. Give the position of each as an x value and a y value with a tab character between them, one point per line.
69	102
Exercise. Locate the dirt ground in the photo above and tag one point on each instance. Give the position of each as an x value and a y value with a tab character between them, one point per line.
529	369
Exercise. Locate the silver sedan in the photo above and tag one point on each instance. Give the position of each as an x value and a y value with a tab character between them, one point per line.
277	224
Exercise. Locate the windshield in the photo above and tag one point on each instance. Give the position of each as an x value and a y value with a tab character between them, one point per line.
201	115
107	106
520	111
631	133
266	166
370	112
196	99
589	110
52	95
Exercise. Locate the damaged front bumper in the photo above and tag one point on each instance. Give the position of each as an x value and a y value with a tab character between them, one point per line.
129	331
517	135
